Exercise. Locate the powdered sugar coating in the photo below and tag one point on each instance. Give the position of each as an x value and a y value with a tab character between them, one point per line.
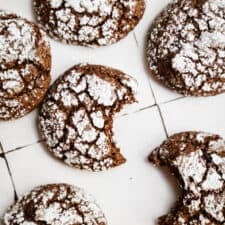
199	163
24	66
55	204
76	118
89	22
186	47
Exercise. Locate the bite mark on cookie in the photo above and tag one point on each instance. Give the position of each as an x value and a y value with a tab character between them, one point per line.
197	160
76	117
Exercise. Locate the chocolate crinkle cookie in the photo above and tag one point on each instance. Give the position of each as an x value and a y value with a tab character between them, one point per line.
55	204
197	160
89	22
25	63
186	47
76	117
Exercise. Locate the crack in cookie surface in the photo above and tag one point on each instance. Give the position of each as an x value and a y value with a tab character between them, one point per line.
76	117
55	204
197	160
186	47
89	22
25	62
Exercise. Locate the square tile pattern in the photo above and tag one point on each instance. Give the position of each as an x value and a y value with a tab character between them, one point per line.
135	193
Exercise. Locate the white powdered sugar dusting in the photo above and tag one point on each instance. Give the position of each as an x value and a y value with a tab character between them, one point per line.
18	44
57	204
101	91
89	22
76	117
104	7
213	180
191	166
214	205
12	82
20	60
193	41
200	163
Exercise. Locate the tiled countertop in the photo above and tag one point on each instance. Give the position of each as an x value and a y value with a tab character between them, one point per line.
135	193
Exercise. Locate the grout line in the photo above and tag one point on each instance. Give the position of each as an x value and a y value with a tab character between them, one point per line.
11	178
139	110
156	104
10	172
152	106
163	121
135	38
125	114
25	146
2	155
153	94
159	111
172	100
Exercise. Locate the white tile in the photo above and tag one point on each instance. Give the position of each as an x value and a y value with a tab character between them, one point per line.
204	114
6	189
162	93
20	132
22	7
128	193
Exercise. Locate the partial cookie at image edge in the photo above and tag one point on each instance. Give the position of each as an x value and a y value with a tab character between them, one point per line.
184	53
25	64
90	23
197	160
55	204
